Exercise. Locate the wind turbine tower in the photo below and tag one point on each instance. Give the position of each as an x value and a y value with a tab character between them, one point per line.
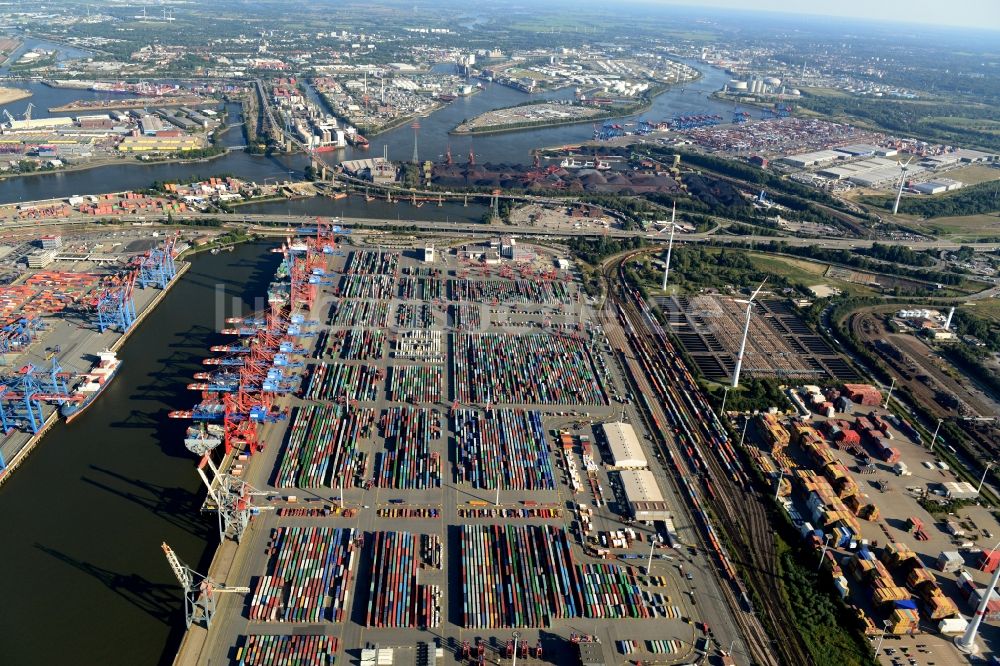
746	332
670	246
902	180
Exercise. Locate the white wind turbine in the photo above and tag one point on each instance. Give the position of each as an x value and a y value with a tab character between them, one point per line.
746	331
902	179
670	244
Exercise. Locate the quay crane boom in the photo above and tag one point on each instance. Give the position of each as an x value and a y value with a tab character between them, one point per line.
199	590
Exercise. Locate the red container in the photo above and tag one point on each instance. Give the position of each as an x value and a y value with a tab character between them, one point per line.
989	560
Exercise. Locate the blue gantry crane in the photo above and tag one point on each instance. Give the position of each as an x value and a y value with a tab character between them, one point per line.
23	393
115	303
18	334
156	267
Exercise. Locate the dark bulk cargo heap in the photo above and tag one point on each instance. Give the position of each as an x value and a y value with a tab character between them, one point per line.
503	447
395	599
534	369
323	446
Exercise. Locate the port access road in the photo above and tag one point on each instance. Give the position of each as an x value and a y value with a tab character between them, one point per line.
264	224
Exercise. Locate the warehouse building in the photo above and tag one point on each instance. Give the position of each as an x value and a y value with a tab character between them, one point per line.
155	144
150	125
643	496
815	158
859	149
40	123
938	186
626	451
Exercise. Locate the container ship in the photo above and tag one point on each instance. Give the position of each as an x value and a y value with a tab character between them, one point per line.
92	384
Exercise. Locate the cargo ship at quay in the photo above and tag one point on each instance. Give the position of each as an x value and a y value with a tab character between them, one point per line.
91	385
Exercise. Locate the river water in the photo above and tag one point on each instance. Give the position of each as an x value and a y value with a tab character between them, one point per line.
85	580
433	141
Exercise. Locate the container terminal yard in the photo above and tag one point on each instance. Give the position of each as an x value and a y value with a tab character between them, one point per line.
63	318
427	450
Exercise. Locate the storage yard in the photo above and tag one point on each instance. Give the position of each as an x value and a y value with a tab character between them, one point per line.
861	480
62	305
444	502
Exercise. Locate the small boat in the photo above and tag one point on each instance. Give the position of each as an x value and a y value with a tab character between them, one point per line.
91	385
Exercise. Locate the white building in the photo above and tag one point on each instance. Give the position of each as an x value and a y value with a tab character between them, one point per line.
626	451
41	258
645	501
51	242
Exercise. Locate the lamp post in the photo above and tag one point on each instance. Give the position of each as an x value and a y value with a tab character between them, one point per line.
934	436
725	396
889	394
885	628
983	479
822	555
781	475
517	636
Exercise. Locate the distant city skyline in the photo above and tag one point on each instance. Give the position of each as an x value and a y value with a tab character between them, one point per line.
983	14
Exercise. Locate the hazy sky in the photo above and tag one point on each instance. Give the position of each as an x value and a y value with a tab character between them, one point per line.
973	13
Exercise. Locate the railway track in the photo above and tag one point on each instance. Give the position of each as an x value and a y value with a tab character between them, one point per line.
708	471
925	383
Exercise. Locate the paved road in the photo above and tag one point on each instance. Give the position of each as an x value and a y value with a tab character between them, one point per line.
526	231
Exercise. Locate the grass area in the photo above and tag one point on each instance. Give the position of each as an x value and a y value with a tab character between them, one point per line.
805	273
526	74
987	308
827	92
975	173
819	619
981	126
968	226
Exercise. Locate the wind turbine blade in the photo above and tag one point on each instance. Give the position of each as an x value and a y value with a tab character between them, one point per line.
754	295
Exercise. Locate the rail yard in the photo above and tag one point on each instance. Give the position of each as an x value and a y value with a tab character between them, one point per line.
429	468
